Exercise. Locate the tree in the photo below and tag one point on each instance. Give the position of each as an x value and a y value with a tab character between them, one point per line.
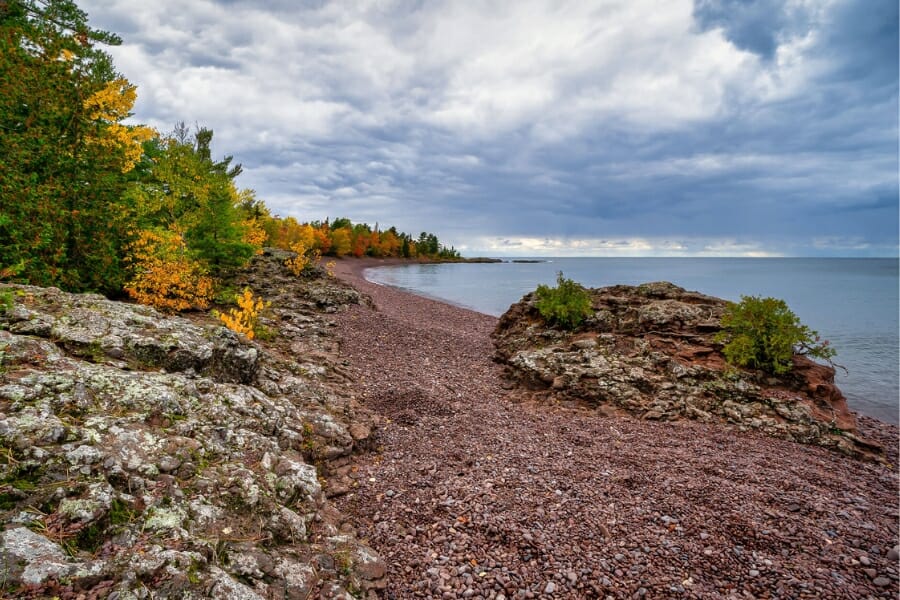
187	190
165	276
64	149
340	241
405	250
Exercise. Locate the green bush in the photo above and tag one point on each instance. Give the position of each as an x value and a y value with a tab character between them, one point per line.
566	305
763	333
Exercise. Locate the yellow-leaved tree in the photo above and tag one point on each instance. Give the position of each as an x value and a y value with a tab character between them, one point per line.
304	246
106	108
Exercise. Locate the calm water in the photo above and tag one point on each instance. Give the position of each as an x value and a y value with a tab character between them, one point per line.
851	302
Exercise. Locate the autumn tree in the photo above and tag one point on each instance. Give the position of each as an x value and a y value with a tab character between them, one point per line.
187	192
166	276
340	241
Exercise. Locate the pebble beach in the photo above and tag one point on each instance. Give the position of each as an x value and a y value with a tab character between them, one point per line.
471	494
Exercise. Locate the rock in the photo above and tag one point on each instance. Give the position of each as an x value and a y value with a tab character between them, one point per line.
550	588
98	330
865	561
176	439
223	587
368	565
31	558
893	554
881	582
649	351
360	432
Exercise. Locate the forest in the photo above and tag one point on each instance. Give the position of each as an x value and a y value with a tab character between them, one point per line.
90	202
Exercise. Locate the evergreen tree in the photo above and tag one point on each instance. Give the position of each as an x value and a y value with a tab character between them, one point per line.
62	149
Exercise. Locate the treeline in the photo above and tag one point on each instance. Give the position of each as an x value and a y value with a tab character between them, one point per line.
342	237
88	203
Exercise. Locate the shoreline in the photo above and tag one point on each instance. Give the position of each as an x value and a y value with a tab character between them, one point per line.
353	272
473	493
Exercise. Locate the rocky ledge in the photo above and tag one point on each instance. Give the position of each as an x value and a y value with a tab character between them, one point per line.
648	351
144	455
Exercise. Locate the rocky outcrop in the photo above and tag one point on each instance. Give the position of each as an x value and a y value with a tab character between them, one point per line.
148	454
648	351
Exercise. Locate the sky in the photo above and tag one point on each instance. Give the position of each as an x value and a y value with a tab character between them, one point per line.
536	128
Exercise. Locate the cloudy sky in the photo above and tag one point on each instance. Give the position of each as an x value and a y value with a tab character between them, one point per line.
605	127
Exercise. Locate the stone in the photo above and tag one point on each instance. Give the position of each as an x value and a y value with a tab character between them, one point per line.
893	554
368	565
224	587
881	582
31	558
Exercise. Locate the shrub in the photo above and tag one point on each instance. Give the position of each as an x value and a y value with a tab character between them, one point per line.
306	256
763	333
566	305
245	318
165	276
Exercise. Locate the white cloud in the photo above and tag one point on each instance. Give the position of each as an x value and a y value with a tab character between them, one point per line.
475	69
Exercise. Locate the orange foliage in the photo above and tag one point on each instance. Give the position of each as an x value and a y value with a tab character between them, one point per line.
306	255
323	238
245	318
254	234
165	277
107	107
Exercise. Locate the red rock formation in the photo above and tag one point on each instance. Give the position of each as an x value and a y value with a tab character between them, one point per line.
649	351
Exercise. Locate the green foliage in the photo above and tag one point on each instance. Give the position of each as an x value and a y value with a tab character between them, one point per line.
188	191
763	333
60	213
6	301
566	305
120	513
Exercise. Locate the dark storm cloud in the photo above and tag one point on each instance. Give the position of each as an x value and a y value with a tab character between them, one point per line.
619	126
755	25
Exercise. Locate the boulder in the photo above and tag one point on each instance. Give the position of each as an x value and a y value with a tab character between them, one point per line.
649	351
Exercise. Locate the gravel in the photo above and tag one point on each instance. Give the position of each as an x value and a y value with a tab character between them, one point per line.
470	495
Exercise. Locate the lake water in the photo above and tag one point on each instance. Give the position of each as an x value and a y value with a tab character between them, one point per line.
853	303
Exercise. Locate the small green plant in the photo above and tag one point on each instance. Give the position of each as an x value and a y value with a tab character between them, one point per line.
120	513
763	333
193	573
6	301
566	305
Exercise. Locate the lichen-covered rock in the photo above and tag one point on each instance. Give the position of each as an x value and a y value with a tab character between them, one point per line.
31	558
93	328
140	451
649	351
